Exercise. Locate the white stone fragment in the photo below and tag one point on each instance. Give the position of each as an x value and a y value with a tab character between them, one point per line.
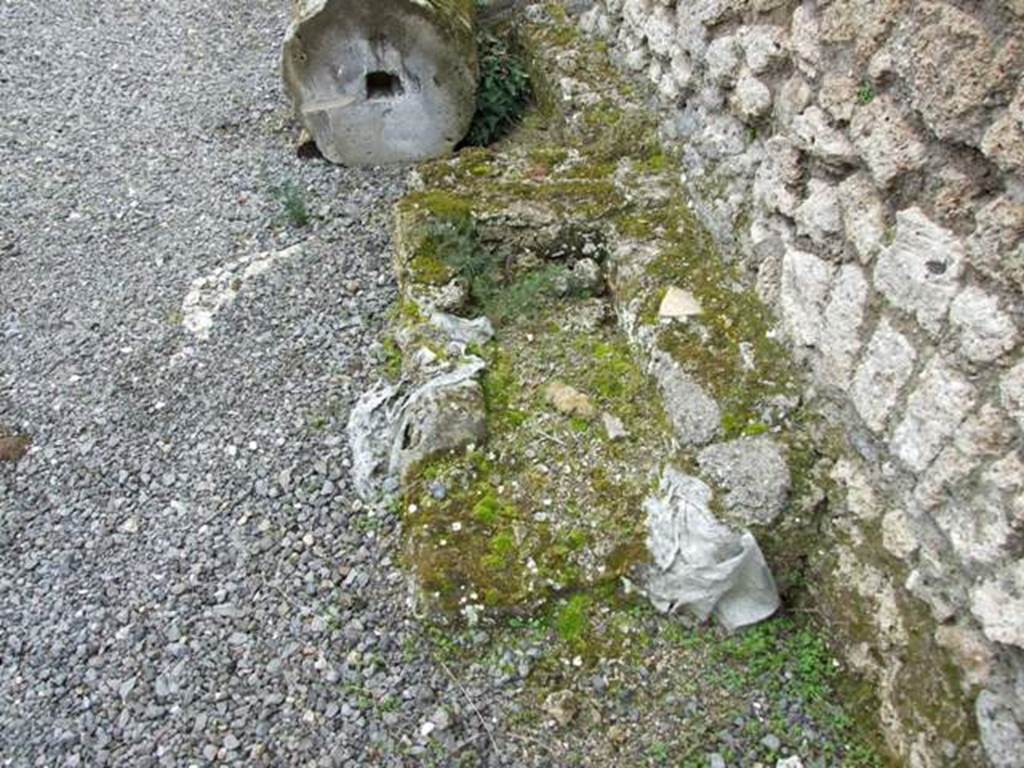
614	429
210	294
679	304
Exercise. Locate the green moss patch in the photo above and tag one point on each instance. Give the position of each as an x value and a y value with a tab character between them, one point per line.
550	509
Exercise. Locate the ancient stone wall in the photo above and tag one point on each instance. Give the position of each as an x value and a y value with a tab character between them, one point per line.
863	160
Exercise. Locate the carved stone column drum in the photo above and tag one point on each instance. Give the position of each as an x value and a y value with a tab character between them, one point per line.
382	81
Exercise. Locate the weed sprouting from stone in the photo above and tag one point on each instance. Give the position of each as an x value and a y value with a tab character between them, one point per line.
866	93
503	92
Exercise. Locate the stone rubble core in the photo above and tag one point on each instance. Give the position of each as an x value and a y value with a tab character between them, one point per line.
701	565
863	162
392	81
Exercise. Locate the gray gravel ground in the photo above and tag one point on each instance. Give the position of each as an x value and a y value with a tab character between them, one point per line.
185	574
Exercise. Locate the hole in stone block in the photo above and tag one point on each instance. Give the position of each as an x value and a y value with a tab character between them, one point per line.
383	85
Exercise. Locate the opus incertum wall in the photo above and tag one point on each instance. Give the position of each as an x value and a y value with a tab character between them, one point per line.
381	82
863	161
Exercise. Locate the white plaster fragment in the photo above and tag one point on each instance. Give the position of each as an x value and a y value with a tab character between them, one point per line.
212	293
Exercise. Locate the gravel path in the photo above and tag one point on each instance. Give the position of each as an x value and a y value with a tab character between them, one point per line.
185	574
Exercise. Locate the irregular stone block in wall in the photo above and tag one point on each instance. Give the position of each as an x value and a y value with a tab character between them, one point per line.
723	136
971	490
763	46
751	99
920	272
934	411
794	97
777	178
660	30
1011	389
838	95
984	436
383	82
886	140
804	36
955	68
998	604
885	369
815	135
754	473
818	216
722	60
862	22
712	12
802	295
863	215
840	337
694	414
1003	142
986	332
1001	734
996	246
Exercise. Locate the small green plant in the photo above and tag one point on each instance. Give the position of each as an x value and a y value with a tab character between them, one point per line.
294	203
392	362
455	244
502	93
866	93
658	752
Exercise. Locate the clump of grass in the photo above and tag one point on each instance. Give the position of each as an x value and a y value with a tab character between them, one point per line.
293	202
